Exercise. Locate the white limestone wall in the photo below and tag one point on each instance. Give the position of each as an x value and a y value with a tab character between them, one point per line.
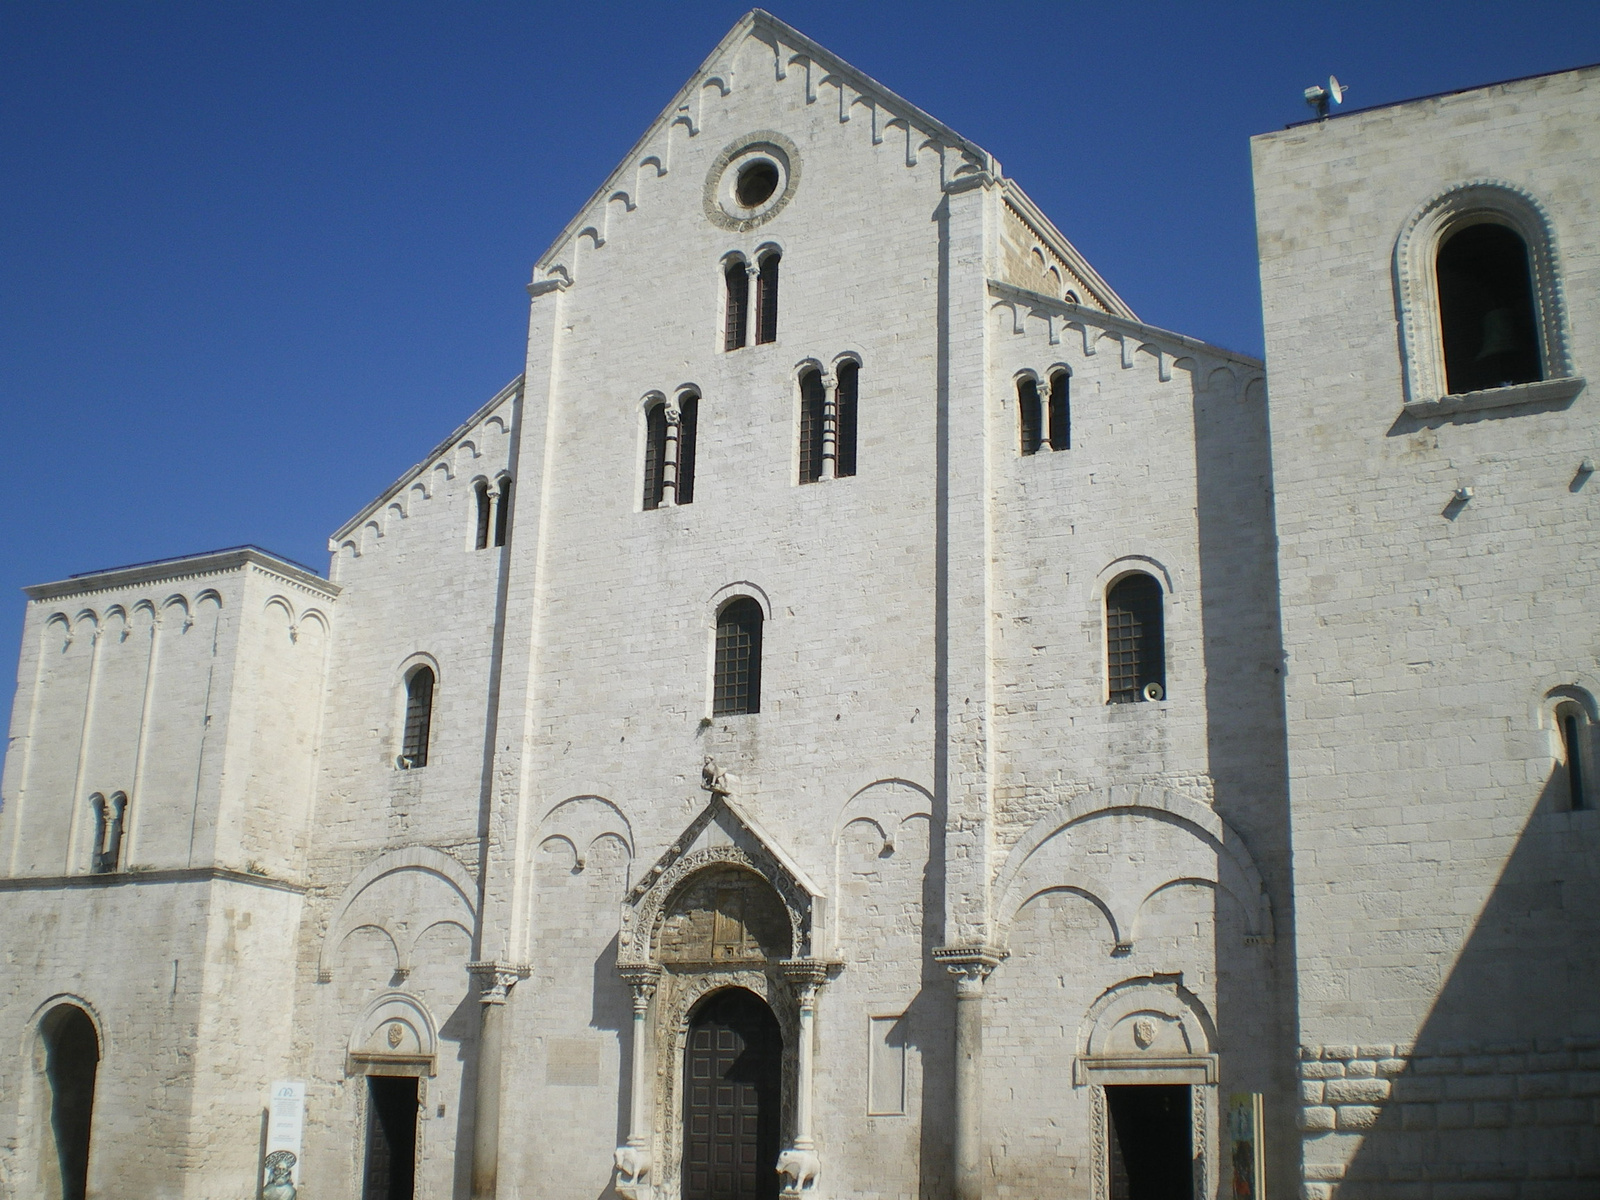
1445	895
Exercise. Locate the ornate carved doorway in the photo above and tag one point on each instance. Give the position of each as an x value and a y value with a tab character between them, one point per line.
732	1090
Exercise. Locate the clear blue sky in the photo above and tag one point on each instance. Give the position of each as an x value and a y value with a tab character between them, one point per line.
257	258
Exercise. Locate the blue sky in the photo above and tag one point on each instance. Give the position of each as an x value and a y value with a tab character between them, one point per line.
256	259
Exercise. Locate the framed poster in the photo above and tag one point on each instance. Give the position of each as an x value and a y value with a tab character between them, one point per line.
1244	1146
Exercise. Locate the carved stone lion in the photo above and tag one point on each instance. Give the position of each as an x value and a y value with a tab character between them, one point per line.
633	1170
799	1169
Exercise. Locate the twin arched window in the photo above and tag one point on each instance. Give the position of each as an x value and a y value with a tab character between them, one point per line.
741	309
419	719
1038	420
110	817
736	679
828	419
494	513
669	451
1136	661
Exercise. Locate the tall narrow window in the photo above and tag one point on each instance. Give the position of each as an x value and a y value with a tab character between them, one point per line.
736	686
419	718
849	387
1486	313
688	431
481	489
502	512
655	455
1028	415
71	1062
813	399
1573	724
1060	411
767	299
109	820
736	304
1136	666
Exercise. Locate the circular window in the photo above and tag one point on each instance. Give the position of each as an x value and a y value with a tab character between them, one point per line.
758	179
751	180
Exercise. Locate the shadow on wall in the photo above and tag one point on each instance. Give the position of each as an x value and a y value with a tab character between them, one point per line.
461	1027
1246	747
1503	1081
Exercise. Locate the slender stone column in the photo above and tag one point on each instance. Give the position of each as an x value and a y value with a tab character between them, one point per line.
830	424
969	966
495	981
799	1165
634	1159
669	458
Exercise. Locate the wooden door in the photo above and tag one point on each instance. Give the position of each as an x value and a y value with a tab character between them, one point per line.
733	1068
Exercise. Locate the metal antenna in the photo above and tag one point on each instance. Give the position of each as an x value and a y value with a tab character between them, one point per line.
1319	97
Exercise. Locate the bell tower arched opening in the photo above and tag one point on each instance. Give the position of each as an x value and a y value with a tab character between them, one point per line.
71	1061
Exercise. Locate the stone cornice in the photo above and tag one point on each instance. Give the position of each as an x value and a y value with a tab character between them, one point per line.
194	566
47	883
1113	323
1032	216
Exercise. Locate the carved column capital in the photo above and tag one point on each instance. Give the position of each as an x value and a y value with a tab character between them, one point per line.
969	966
806	976
496	979
643	981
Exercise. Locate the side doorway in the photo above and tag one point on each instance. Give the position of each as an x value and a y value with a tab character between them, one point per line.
391	1155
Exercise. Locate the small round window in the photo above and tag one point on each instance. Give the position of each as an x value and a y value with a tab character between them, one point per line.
751	180
758	179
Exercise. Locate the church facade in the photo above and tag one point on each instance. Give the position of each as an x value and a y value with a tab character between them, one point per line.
863	715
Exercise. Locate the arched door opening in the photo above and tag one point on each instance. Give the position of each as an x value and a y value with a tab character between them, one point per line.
71	1060
391	1165
732	1093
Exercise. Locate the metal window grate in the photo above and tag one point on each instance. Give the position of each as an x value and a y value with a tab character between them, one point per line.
736	687
655	455
738	305
1134	649
849	388
1028	415
502	513
767	300
419	718
812	400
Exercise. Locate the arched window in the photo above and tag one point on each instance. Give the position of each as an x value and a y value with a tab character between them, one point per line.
481	490
1486	311
1028	415
502	512
109	819
736	685
419	718
813	400
1060	411
849	386
736	304
1136	667
71	1061
688	432
1575	733
767	299
655	455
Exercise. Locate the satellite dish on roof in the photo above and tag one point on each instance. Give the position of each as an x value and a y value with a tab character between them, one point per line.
1319	97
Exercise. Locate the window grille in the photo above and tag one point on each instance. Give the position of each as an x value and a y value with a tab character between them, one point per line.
737	314
1573	725
1060	411
1486	311
736	686
502	513
688	430
481	488
849	387
813	399
767	300
655	455
1135	651
419	718
1028	414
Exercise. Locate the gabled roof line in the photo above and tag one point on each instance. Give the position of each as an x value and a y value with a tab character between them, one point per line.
1048	232
754	20
460	431
1118	324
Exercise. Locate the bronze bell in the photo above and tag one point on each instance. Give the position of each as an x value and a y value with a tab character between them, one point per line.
1499	334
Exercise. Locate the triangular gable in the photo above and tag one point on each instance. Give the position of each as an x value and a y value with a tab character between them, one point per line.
722	832
892	117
